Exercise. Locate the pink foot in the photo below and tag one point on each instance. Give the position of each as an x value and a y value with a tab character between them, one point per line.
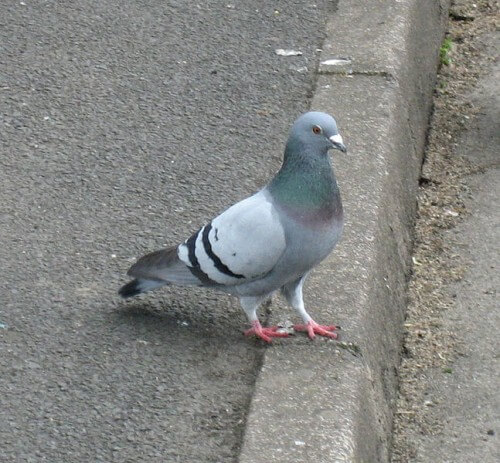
313	329
264	333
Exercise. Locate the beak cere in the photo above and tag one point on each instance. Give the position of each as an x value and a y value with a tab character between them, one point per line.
338	143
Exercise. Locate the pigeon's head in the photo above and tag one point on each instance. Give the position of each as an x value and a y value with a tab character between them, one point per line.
316	132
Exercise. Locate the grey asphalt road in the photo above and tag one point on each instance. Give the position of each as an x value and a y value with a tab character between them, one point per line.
125	125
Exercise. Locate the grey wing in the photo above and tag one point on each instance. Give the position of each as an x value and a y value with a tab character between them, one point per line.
242	244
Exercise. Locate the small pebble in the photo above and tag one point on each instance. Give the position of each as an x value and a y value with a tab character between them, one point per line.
283	52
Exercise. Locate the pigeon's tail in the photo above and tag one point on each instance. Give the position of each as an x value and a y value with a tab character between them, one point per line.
162	268
138	286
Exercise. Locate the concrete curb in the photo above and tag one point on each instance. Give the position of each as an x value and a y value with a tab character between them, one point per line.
316	401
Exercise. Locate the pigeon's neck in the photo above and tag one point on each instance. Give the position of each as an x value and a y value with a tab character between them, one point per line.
306	186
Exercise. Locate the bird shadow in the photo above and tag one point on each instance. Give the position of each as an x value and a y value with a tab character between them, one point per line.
153	321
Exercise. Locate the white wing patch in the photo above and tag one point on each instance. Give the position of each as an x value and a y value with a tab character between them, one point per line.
183	254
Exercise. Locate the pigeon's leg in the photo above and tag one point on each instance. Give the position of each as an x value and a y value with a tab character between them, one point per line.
250	305
293	294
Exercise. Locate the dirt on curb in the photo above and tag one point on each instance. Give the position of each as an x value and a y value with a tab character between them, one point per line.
430	344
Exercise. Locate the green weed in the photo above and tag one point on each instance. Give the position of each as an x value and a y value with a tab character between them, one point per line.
444	52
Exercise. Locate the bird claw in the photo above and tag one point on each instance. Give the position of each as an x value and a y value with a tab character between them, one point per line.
266	334
312	328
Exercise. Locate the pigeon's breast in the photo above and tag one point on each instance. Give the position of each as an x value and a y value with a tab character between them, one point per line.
310	236
326	216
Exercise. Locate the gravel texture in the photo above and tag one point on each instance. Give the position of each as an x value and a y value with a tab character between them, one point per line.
447	399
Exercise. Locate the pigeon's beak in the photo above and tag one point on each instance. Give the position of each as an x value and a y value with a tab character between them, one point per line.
338	143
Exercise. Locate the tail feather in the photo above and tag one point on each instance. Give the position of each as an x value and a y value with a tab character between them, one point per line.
138	286
157	269
130	289
164	266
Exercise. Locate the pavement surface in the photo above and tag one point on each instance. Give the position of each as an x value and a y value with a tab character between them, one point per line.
465	397
123	127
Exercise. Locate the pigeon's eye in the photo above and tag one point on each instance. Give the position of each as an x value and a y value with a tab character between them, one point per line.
317	129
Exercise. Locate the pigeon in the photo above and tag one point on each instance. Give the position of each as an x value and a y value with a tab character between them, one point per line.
267	242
